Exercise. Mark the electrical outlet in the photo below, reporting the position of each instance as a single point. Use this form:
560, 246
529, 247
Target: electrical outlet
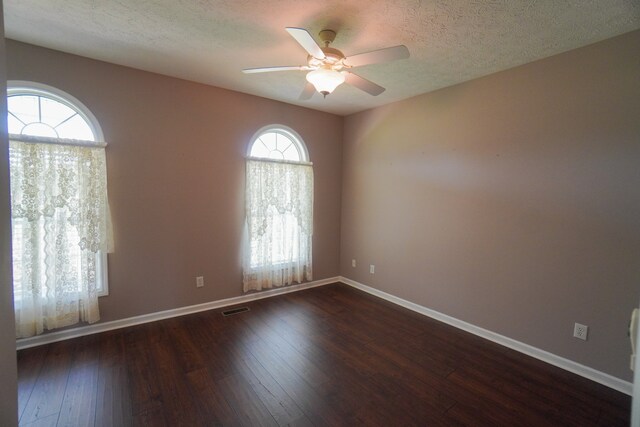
353, 263
199, 281
580, 331
372, 269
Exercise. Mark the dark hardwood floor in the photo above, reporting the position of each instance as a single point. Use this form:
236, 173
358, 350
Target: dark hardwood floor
324, 356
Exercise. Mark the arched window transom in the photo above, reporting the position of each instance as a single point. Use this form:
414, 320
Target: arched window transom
278, 143
38, 113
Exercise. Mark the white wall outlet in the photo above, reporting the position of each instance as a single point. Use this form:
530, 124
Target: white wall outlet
372, 269
353, 263
199, 281
580, 331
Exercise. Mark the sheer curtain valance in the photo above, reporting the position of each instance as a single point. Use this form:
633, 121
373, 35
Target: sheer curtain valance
61, 226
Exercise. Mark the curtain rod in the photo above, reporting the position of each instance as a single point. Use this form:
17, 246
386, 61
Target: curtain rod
286, 162
59, 141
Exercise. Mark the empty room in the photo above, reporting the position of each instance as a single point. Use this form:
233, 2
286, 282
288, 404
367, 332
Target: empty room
385, 213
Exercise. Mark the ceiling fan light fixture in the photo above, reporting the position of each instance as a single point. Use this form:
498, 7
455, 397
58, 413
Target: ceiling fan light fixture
325, 80
329, 68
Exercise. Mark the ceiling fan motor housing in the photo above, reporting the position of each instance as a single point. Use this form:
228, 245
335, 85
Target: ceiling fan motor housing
333, 58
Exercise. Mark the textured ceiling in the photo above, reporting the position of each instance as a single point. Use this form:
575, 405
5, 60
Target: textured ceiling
210, 41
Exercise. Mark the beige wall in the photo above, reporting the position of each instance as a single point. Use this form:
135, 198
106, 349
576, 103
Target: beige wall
511, 202
8, 382
176, 176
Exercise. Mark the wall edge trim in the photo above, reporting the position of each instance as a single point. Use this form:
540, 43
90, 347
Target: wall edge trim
545, 356
165, 314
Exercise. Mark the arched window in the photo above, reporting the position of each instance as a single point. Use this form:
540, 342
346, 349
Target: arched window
279, 210
59, 210
278, 143
41, 111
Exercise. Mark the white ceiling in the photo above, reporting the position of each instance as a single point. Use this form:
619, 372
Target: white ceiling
210, 41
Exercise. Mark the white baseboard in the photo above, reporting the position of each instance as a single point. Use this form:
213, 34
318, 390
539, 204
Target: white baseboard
166, 314
569, 365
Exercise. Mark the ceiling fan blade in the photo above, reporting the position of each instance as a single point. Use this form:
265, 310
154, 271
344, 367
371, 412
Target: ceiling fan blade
269, 69
303, 37
377, 56
307, 92
363, 84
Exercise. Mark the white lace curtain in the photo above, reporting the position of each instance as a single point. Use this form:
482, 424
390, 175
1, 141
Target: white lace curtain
279, 224
60, 225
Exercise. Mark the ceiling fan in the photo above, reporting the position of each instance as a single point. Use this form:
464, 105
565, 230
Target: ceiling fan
328, 67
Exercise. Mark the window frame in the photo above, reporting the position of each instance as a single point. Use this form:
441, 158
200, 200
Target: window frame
298, 142
23, 87
288, 133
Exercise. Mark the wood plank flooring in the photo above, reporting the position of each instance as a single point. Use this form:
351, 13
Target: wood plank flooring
327, 356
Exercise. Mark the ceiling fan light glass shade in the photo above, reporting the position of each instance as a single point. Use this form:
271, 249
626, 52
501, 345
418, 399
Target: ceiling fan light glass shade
325, 80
